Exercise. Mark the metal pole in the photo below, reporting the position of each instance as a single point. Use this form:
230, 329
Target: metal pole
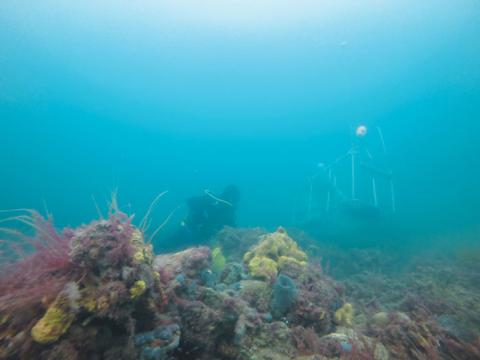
382, 141
310, 199
392, 193
374, 188
353, 174
327, 206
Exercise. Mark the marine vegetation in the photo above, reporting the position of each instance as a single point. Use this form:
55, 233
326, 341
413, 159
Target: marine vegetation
81, 293
218, 260
344, 315
275, 252
31, 277
99, 292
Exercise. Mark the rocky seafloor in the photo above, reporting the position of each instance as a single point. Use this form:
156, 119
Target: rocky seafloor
99, 292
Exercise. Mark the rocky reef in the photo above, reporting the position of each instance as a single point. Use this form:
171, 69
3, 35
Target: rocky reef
99, 292
83, 294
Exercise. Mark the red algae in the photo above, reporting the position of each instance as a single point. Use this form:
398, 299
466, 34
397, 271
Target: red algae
97, 278
39, 276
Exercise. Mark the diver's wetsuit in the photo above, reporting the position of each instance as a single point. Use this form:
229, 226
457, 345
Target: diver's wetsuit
206, 216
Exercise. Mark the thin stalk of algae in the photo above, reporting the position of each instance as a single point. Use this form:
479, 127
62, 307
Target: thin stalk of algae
46, 238
157, 230
144, 223
99, 212
29, 220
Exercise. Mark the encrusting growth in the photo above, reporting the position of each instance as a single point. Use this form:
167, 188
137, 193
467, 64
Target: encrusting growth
274, 252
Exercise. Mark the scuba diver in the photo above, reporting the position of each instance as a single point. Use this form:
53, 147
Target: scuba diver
207, 214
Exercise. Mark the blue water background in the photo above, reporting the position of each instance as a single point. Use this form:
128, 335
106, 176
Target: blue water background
186, 96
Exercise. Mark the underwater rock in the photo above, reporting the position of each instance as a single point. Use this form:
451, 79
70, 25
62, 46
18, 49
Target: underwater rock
232, 273
380, 352
208, 278
257, 294
336, 344
348, 343
381, 319
269, 341
318, 299
290, 266
63, 350
408, 339
111, 284
240, 329
274, 251
201, 327
189, 262
454, 328
121, 303
284, 294
158, 343
119, 266
235, 242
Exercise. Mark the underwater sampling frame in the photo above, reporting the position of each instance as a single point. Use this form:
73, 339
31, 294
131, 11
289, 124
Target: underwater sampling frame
351, 183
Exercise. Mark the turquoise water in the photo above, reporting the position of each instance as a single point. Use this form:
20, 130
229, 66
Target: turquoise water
187, 96
349, 128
